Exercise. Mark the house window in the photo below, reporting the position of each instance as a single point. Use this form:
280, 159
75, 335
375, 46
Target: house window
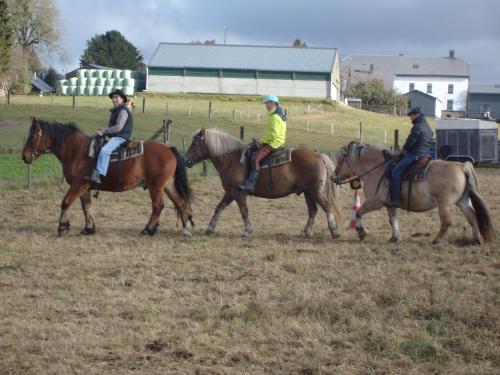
429, 88
449, 105
483, 108
450, 88
416, 66
412, 87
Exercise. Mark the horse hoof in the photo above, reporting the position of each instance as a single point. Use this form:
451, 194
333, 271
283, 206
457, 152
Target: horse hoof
209, 231
335, 235
149, 232
306, 234
88, 231
362, 235
476, 242
63, 228
245, 233
393, 240
435, 241
186, 233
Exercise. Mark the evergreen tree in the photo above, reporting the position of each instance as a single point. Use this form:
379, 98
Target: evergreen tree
113, 50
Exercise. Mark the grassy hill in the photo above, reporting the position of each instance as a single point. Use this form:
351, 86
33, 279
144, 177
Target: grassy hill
310, 122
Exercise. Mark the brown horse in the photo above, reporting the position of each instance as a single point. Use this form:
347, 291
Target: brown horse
446, 184
160, 168
307, 173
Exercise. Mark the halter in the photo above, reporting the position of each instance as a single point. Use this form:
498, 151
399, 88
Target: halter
36, 153
356, 177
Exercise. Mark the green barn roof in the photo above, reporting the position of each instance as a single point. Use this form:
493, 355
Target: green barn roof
243, 57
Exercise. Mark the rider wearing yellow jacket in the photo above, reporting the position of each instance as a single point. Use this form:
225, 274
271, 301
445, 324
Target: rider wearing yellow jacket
273, 138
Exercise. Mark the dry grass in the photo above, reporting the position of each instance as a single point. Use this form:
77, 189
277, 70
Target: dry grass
117, 303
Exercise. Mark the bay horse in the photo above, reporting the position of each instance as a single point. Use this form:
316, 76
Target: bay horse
446, 184
308, 173
160, 169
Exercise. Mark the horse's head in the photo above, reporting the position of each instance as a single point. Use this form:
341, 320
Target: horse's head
37, 143
197, 151
344, 169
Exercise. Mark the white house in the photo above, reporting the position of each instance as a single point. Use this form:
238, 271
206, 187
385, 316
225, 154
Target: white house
445, 78
246, 70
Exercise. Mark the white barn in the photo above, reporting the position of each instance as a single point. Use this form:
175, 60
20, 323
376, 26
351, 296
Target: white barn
246, 70
444, 78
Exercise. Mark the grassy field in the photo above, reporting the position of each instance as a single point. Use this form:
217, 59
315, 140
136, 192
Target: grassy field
117, 303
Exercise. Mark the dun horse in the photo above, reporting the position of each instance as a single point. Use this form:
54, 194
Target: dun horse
446, 184
160, 168
308, 173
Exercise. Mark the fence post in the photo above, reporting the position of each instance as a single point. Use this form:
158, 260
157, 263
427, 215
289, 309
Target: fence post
233, 113
332, 128
183, 145
396, 139
29, 176
204, 171
360, 131
385, 137
74, 100
167, 108
210, 109
307, 126
308, 109
143, 104
242, 133
8, 97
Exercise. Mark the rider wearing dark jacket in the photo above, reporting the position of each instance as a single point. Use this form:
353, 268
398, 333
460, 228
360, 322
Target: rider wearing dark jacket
416, 146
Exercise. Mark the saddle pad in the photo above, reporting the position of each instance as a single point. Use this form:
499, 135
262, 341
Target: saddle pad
278, 157
418, 170
126, 152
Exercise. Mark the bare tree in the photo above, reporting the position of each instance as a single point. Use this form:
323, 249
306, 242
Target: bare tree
35, 25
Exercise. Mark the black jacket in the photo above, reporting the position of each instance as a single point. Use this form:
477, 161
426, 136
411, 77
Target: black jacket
126, 131
420, 139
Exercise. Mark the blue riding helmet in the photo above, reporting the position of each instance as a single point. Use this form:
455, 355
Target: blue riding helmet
271, 98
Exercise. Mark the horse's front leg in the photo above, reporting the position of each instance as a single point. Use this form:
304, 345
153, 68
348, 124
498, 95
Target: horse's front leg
368, 206
74, 191
224, 202
89, 228
393, 220
241, 199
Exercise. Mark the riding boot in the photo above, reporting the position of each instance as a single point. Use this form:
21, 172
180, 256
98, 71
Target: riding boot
95, 176
251, 181
395, 193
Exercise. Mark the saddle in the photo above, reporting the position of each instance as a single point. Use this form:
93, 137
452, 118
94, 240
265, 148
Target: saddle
416, 172
280, 156
128, 150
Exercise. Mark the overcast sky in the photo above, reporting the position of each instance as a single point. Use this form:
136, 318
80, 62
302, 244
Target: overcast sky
411, 27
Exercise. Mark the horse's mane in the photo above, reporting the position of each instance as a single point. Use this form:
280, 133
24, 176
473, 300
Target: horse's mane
355, 150
219, 143
58, 132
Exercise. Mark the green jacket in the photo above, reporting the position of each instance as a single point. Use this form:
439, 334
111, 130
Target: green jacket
275, 133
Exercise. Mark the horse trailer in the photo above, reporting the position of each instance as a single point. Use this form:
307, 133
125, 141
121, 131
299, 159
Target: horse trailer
467, 140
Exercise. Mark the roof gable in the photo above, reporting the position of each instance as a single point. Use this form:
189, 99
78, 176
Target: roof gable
241, 57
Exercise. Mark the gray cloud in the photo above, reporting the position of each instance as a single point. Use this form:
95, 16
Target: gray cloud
423, 28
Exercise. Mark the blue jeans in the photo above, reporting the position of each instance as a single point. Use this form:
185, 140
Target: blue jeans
397, 173
105, 153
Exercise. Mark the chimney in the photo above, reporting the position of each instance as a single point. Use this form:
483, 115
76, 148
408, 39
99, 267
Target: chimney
451, 54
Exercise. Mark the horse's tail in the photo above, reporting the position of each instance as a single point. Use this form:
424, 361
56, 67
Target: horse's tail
480, 209
181, 178
331, 189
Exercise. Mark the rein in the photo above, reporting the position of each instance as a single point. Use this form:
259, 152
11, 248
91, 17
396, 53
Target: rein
357, 177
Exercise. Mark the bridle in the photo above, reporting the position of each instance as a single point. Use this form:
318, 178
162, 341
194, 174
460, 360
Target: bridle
35, 153
345, 159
